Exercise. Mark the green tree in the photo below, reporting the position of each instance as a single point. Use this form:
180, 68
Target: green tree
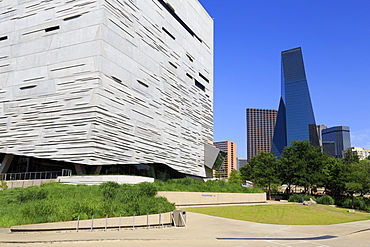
334, 175
365, 167
303, 164
355, 174
263, 171
235, 177
350, 157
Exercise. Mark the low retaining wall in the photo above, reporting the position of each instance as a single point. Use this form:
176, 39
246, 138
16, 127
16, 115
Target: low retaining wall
208, 198
96, 180
110, 223
27, 183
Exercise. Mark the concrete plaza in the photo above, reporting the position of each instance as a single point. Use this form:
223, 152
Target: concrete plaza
203, 230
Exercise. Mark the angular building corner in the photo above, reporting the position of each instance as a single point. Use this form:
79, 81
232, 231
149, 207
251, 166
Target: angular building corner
97, 83
295, 120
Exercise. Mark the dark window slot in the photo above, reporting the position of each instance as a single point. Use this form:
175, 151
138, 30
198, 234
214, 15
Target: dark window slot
169, 34
200, 85
27, 87
49, 29
116, 79
173, 65
190, 58
177, 18
3, 38
188, 75
203, 77
71, 18
142, 83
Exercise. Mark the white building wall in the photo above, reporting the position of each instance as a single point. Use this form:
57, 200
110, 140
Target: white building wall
99, 82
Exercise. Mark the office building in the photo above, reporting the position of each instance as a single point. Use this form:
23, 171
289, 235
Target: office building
361, 152
229, 163
336, 140
241, 162
106, 86
260, 130
295, 119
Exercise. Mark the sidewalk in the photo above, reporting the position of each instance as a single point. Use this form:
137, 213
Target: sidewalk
203, 230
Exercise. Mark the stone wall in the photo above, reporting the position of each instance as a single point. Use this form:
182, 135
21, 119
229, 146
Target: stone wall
208, 198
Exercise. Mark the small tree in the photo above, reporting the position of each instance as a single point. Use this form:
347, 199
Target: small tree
235, 177
263, 168
302, 164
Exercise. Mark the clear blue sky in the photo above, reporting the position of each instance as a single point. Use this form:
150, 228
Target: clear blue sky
249, 37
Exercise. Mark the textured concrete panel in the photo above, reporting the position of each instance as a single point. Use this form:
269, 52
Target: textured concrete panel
104, 82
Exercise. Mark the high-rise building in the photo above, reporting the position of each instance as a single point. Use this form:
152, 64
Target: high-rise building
336, 140
97, 85
229, 163
295, 119
361, 152
260, 130
241, 162
320, 128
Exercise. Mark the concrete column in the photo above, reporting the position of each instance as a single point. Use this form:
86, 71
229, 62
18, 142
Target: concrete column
80, 169
96, 169
6, 163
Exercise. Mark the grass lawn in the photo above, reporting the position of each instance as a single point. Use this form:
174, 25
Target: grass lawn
292, 214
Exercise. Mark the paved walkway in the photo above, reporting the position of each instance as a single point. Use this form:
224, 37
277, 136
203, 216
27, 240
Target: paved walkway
203, 230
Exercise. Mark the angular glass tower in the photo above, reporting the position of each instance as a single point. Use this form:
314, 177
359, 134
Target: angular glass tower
295, 120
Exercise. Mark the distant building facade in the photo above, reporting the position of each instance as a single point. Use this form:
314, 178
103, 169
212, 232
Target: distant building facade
319, 132
361, 152
260, 130
336, 140
295, 119
230, 159
241, 162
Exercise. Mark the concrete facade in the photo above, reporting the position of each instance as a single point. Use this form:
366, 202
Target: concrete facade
96, 82
361, 152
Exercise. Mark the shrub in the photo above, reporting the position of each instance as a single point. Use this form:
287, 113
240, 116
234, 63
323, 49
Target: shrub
360, 203
327, 200
31, 193
192, 185
298, 198
109, 190
146, 189
3, 185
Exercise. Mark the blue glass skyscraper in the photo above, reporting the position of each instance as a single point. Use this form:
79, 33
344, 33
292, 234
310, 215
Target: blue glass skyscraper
336, 140
295, 120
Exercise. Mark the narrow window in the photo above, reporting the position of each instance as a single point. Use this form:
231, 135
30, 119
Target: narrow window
71, 18
188, 75
116, 79
142, 83
200, 85
203, 77
173, 65
49, 29
190, 58
3, 38
169, 34
27, 87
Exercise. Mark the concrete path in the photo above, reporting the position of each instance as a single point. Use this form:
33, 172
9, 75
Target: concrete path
203, 230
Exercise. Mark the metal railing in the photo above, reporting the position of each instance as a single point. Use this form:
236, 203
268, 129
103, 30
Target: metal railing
34, 175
